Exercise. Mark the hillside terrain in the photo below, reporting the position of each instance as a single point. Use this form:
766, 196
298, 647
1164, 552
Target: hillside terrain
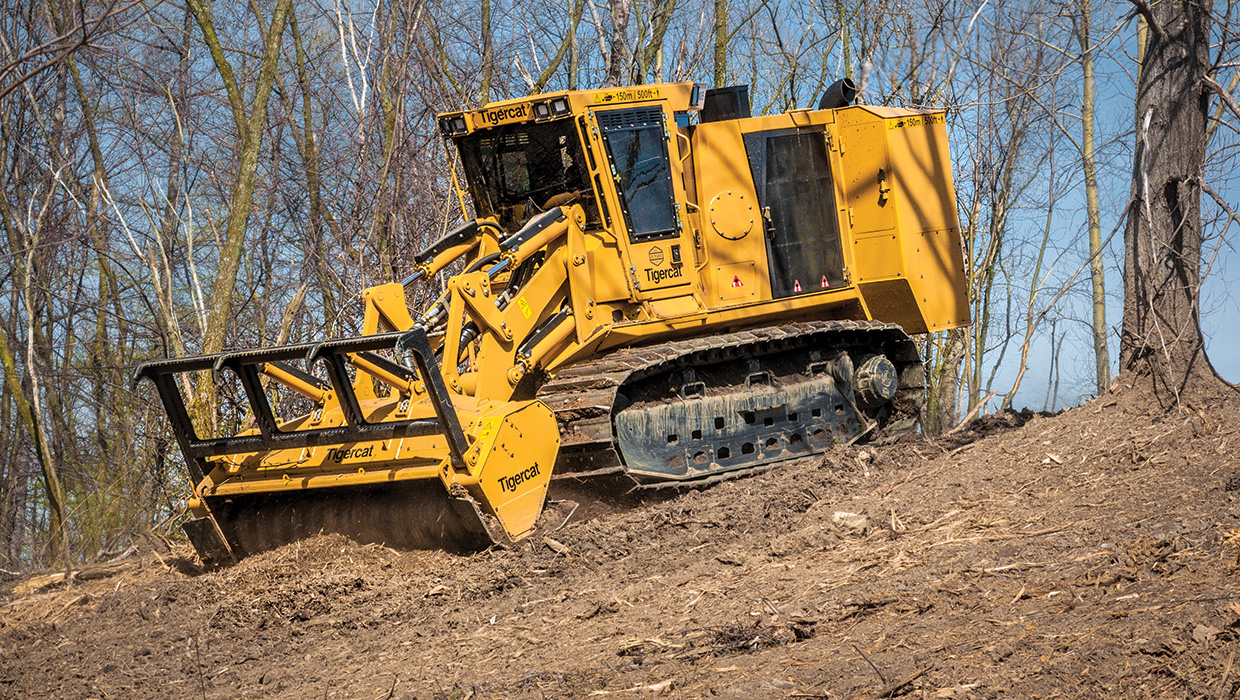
1088, 554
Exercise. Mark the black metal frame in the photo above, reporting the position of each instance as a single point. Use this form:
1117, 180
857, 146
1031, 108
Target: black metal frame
635, 119
248, 365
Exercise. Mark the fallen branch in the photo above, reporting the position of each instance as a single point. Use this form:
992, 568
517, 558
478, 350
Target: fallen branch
567, 517
895, 687
972, 412
997, 538
881, 677
79, 599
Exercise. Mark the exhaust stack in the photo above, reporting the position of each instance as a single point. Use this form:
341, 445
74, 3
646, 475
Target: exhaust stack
841, 94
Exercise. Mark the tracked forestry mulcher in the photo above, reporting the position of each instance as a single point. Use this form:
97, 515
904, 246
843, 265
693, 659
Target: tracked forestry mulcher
657, 286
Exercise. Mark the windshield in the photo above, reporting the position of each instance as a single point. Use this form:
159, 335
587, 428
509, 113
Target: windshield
516, 170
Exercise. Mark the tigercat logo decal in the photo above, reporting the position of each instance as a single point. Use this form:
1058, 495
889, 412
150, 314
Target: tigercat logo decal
510, 483
503, 114
658, 276
335, 455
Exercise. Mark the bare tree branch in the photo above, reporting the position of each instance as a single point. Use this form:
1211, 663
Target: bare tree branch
79, 36
1213, 86
1144, 10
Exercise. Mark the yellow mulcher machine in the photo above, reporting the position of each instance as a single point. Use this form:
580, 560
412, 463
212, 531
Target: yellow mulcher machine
657, 285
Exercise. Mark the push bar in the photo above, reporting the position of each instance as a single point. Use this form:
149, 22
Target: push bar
248, 365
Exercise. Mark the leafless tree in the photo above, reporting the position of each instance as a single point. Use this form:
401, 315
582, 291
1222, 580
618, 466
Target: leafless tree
1161, 337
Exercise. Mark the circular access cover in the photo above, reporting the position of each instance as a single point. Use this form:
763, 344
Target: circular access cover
732, 214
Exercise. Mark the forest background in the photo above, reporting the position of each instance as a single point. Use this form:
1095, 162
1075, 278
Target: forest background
180, 178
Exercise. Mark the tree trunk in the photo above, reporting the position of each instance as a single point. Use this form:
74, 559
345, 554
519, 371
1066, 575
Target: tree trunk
845, 40
320, 219
944, 370
1102, 355
58, 543
721, 43
619, 54
568, 46
660, 18
488, 52
1161, 336
573, 54
241, 200
250, 133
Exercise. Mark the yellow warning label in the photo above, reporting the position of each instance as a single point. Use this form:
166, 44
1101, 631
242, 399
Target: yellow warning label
919, 120
524, 306
631, 95
486, 438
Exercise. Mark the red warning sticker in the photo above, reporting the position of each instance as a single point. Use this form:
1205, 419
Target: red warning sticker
796, 285
736, 281
825, 283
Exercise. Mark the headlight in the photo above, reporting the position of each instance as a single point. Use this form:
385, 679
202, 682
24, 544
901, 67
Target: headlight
541, 111
559, 107
458, 125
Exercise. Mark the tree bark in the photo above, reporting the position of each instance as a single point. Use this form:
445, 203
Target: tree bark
573, 52
320, 222
250, 133
59, 540
943, 394
1161, 336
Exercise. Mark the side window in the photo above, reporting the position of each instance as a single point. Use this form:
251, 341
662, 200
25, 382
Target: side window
638, 153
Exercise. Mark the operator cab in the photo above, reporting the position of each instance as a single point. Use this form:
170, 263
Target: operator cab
618, 153
596, 147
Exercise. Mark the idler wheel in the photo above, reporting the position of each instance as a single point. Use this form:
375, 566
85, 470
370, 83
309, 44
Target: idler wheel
875, 382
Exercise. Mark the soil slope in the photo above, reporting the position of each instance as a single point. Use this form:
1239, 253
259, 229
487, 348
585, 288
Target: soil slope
1088, 554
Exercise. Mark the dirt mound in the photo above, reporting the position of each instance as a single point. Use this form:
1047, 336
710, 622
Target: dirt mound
1087, 554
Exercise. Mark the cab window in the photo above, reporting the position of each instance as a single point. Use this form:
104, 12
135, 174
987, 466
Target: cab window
637, 149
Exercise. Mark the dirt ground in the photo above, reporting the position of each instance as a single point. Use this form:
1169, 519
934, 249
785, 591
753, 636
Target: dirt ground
1088, 554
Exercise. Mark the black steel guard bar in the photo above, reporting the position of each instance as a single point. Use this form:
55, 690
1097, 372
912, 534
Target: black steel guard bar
248, 365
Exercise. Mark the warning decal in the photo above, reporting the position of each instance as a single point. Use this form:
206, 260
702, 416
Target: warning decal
920, 120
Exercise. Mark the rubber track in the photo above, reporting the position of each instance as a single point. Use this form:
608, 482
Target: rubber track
582, 396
